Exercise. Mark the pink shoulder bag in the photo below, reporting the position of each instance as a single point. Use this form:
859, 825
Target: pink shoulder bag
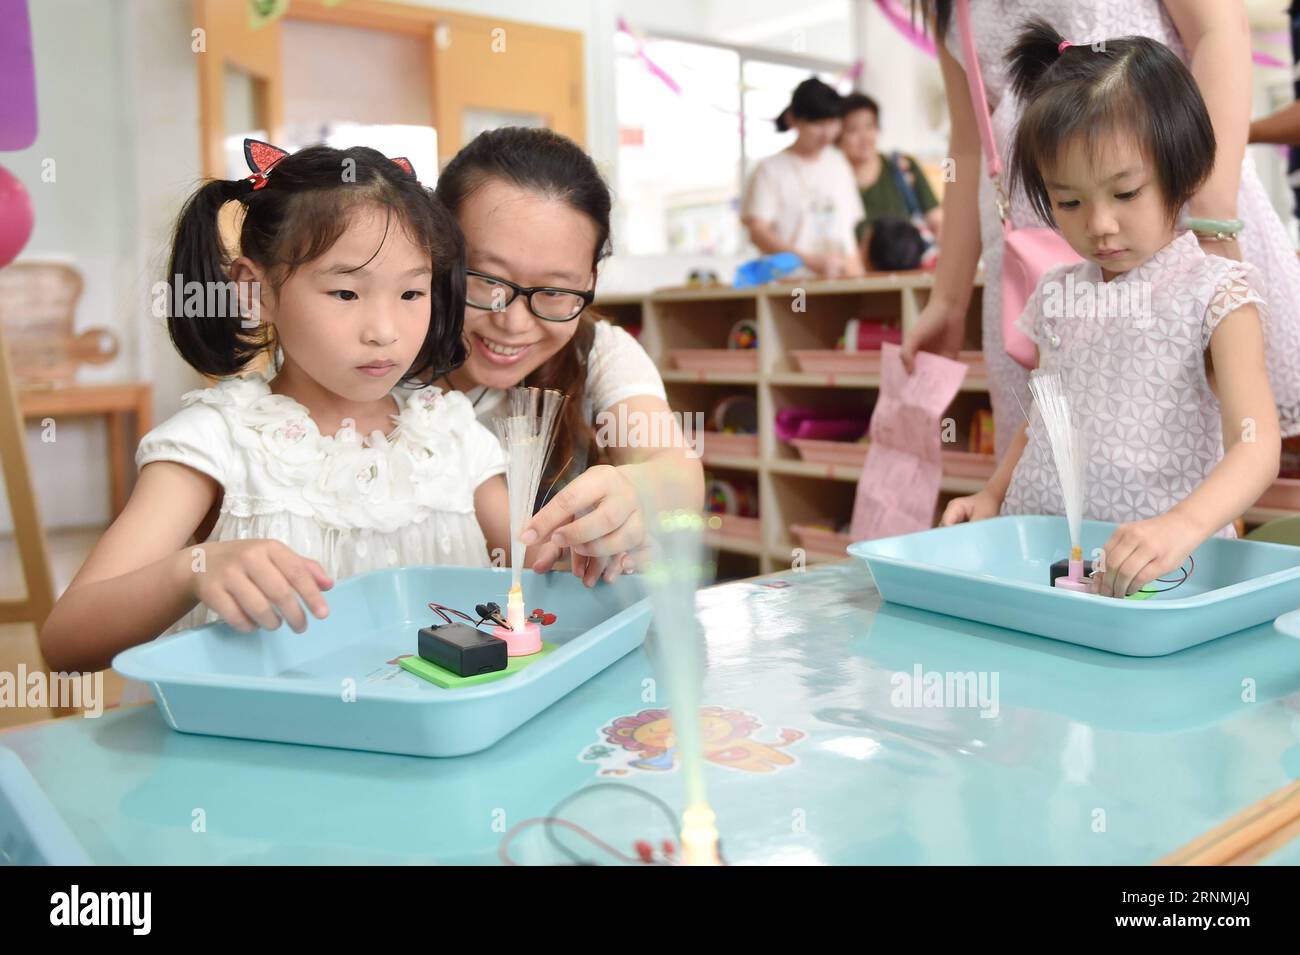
1027, 253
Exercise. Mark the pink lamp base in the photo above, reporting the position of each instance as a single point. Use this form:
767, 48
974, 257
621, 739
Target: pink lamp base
521, 644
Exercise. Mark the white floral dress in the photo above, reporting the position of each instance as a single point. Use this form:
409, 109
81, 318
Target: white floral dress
1132, 363
353, 503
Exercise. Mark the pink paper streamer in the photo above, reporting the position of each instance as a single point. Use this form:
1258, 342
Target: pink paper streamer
654, 68
899, 486
1267, 59
903, 24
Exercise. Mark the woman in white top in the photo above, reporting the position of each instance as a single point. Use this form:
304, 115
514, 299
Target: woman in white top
535, 214
805, 199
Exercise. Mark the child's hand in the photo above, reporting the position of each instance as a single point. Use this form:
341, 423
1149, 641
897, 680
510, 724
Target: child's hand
976, 507
256, 583
1138, 553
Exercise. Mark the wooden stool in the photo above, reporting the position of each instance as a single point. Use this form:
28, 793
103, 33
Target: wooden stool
30, 535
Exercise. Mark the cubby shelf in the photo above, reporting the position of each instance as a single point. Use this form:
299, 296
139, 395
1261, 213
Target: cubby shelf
788, 317
791, 317
677, 375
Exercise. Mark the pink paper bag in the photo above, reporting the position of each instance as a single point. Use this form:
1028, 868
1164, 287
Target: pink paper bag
900, 479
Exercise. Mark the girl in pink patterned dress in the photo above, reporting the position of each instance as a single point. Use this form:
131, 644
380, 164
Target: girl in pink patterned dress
1159, 346
1212, 37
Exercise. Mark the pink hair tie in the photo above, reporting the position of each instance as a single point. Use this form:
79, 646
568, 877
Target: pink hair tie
1062, 45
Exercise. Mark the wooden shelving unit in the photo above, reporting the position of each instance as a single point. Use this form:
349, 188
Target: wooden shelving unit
811, 315
790, 317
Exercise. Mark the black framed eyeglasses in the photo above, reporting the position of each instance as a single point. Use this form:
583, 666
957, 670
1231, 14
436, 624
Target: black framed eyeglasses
549, 304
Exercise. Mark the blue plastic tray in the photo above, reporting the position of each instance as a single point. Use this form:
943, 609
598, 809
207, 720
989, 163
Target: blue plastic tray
31, 831
332, 686
996, 572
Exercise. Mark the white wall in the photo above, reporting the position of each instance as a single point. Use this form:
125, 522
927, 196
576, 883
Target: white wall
117, 105
118, 101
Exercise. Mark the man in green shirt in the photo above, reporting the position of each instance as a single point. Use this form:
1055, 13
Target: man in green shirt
892, 185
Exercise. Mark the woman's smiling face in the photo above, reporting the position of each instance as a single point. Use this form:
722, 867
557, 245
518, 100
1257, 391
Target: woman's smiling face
531, 240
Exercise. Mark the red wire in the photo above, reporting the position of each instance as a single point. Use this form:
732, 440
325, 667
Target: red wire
503, 851
439, 608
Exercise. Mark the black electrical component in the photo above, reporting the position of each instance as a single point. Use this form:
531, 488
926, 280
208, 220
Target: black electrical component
462, 649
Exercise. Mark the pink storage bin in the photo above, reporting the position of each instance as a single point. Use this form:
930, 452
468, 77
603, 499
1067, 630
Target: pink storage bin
740, 528
819, 540
830, 362
969, 464
820, 424
850, 454
715, 359
1284, 495
729, 445
974, 359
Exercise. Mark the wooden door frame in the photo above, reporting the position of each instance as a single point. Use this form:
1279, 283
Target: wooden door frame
261, 58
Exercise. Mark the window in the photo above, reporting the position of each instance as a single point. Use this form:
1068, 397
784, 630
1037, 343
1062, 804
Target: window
693, 120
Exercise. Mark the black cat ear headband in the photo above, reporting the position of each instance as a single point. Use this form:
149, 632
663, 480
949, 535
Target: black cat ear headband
263, 157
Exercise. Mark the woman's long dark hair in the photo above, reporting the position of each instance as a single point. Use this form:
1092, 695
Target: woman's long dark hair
938, 12
553, 166
303, 208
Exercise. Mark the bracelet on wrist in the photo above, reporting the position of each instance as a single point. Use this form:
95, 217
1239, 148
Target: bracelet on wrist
1215, 230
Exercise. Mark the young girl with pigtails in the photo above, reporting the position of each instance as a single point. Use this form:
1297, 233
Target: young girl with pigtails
261, 492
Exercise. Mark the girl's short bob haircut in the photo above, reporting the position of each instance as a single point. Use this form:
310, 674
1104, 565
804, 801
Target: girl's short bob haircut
1132, 85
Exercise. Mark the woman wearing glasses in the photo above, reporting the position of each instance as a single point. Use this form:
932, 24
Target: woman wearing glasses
535, 213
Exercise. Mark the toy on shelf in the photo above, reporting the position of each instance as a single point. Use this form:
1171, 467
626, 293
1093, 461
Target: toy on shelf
768, 268
735, 414
743, 335
734, 505
725, 497
856, 352
527, 432
867, 334
981, 432
734, 430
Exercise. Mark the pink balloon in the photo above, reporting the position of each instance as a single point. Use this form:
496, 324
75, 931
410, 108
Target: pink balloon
15, 217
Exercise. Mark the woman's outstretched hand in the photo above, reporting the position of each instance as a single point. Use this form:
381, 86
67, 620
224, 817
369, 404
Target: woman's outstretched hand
933, 331
597, 518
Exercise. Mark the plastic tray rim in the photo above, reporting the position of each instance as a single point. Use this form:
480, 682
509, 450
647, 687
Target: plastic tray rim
863, 551
125, 662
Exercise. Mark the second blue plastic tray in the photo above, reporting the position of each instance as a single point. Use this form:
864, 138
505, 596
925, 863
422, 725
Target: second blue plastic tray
996, 571
332, 685
31, 830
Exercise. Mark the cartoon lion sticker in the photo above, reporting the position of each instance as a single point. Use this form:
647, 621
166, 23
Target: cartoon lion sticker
726, 738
